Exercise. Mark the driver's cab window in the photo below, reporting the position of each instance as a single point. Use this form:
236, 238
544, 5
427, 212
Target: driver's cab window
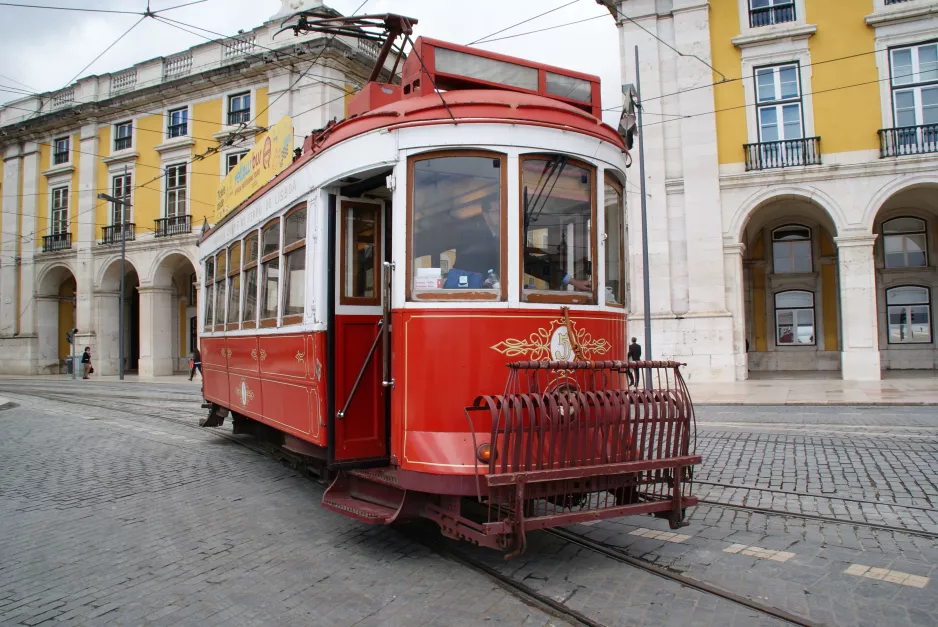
557, 236
456, 226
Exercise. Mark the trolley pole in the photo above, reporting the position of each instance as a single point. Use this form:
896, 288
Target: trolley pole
125, 205
645, 271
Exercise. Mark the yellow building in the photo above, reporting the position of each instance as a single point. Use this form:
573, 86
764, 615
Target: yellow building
791, 152
160, 134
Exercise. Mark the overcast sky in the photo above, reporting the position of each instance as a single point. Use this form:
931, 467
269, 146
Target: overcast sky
45, 49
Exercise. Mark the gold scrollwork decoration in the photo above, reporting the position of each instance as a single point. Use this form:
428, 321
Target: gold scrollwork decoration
254, 354
263, 354
537, 346
300, 357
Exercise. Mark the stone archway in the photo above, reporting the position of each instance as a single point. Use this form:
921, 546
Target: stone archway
108, 311
168, 310
906, 229
55, 310
791, 291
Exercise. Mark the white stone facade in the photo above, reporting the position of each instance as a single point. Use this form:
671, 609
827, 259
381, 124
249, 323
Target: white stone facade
709, 221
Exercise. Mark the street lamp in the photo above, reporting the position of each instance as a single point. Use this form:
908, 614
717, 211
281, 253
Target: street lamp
125, 202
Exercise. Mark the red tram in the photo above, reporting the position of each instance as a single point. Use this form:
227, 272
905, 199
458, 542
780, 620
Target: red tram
431, 302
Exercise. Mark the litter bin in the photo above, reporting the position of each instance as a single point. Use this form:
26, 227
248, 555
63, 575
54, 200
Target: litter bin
69, 365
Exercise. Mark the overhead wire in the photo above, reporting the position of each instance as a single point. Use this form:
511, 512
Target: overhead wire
530, 19
541, 30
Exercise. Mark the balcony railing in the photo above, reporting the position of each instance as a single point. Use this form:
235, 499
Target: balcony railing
177, 130
58, 241
909, 140
173, 225
122, 143
112, 234
59, 158
895, 1
237, 117
783, 154
767, 16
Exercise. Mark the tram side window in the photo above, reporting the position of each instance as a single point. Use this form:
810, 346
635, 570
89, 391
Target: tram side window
249, 310
220, 276
294, 258
234, 285
270, 273
457, 227
557, 201
615, 244
361, 256
209, 292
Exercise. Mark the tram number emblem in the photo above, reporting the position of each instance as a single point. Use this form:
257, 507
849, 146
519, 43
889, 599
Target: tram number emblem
245, 394
560, 349
554, 343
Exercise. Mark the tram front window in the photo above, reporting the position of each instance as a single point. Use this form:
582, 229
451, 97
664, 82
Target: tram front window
457, 232
557, 213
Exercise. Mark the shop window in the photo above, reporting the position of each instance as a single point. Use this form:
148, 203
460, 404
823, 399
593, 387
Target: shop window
456, 227
904, 243
249, 309
558, 241
234, 285
270, 273
908, 309
794, 318
361, 253
615, 244
791, 249
294, 261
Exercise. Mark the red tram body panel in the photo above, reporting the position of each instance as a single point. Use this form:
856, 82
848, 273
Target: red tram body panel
430, 304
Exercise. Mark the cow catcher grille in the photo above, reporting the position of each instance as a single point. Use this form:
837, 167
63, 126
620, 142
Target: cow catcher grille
575, 441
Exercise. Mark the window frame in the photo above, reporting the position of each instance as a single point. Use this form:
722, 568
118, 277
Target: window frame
176, 189
575, 298
779, 103
772, 4
458, 295
344, 298
884, 235
246, 267
812, 308
208, 325
265, 323
927, 304
609, 179
230, 111
127, 181
284, 251
130, 137
184, 124
56, 153
233, 273
223, 280
914, 86
810, 241
240, 154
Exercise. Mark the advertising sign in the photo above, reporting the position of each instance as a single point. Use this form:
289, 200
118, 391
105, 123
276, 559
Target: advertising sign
267, 159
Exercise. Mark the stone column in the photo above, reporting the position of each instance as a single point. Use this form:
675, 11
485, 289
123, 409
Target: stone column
860, 351
9, 225
29, 224
736, 305
47, 309
156, 333
87, 219
107, 311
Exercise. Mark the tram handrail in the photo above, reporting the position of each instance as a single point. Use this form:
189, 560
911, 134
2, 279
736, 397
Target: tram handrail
386, 380
341, 414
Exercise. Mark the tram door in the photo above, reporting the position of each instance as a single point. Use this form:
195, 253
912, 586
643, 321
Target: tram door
361, 423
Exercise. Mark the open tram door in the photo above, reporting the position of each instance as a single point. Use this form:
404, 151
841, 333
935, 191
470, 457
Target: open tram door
359, 334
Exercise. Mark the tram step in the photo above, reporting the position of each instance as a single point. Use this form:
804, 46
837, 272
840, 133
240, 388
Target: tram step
364, 499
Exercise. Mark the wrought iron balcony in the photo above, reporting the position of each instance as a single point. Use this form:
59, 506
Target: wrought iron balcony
767, 16
909, 140
112, 234
178, 130
783, 154
59, 158
57, 241
237, 117
173, 225
122, 143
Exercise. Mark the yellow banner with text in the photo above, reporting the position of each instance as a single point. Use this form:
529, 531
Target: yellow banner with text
267, 159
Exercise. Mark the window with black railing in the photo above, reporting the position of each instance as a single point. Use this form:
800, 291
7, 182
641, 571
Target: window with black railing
173, 225
112, 234
123, 136
56, 242
239, 108
914, 80
60, 152
178, 122
768, 12
780, 122
783, 154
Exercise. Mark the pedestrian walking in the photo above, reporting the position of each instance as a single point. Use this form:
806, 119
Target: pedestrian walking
86, 363
195, 361
635, 354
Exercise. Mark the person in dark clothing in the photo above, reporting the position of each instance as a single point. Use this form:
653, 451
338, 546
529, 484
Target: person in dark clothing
195, 361
86, 362
635, 354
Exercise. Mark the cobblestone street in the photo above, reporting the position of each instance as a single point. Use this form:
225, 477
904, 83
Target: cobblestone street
116, 510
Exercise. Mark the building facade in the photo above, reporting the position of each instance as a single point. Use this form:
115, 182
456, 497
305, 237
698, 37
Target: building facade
791, 154
160, 134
